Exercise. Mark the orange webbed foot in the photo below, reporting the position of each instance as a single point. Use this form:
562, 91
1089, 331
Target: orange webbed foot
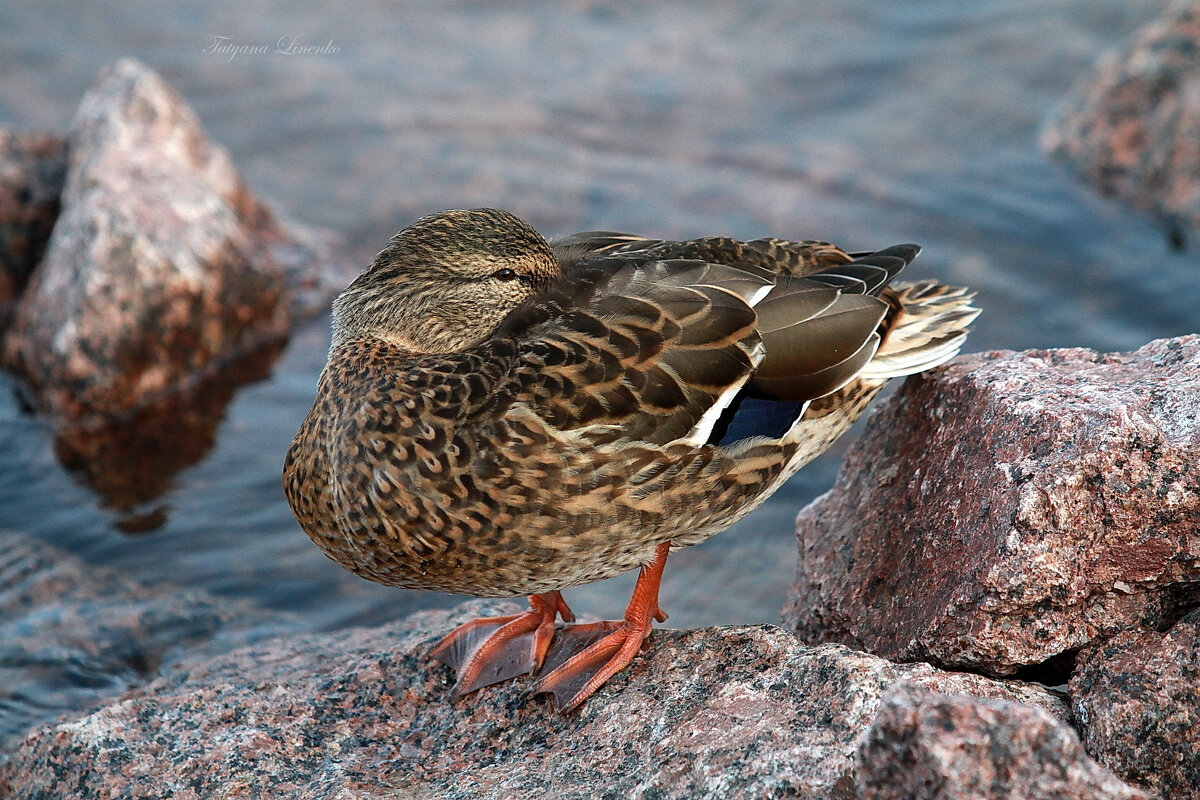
607, 647
494, 649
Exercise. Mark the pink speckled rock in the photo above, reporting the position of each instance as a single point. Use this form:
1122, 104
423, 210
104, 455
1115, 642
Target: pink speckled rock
927, 746
1133, 127
161, 266
32, 169
1009, 508
1137, 696
720, 712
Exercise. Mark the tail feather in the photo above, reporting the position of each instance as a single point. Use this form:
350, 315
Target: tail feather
928, 329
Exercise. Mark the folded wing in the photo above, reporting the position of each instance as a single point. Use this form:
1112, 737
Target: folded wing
664, 350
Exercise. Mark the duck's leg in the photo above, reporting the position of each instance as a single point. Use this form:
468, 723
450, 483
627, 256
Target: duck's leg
494, 649
576, 678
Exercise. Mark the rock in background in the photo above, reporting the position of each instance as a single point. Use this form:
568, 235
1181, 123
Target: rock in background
161, 266
719, 712
1133, 127
32, 170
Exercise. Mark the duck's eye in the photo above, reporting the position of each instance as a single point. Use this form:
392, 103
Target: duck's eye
504, 274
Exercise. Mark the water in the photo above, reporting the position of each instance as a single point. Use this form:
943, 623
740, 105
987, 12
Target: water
864, 123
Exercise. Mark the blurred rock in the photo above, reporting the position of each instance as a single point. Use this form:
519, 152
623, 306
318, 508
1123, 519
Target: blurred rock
32, 170
927, 746
1132, 127
728, 712
1009, 508
73, 636
161, 266
1137, 696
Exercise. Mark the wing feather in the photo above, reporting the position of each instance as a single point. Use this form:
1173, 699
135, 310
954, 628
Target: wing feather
636, 360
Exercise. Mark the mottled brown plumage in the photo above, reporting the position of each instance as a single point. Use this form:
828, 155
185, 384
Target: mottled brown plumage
500, 416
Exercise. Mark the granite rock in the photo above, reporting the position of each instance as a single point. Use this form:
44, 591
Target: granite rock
928, 746
1137, 697
161, 266
728, 712
32, 170
73, 636
1132, 127
1011, 508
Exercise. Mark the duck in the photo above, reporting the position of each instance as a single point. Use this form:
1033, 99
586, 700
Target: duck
503, 415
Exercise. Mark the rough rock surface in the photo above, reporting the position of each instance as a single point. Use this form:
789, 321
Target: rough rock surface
928, 746
1133, 127
728, 712
161, 265
72, 636
32, 170
1137, 696
1009, 508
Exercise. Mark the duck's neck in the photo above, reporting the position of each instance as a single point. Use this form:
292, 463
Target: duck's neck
343, 338
370, 350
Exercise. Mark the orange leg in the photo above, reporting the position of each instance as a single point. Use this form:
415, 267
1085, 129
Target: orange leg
494, 649
578, 677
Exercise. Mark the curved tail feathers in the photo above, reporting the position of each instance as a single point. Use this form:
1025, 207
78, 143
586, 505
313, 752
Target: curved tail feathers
928, 329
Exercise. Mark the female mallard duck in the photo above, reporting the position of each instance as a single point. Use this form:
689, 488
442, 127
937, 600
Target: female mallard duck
504, 416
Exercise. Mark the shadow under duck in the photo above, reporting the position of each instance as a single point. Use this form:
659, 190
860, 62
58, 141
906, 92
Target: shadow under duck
501, 415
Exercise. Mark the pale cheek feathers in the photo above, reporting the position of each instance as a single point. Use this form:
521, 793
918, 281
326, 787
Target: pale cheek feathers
459, 322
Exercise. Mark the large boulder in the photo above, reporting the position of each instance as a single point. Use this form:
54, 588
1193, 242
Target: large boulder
1131, 127
719, 712
1011, 508
1137, 697
161, 266
33, 167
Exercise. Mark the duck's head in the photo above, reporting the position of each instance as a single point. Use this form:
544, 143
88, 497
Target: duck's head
446, 281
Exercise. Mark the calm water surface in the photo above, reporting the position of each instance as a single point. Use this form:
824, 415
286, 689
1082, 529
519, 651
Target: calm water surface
864, 123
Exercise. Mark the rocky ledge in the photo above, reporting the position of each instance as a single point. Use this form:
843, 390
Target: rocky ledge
723, 712
74, 637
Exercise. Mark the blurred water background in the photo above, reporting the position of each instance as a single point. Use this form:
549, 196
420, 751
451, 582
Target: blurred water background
860, 122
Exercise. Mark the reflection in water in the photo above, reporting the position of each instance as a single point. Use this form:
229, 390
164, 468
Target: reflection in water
134, 462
